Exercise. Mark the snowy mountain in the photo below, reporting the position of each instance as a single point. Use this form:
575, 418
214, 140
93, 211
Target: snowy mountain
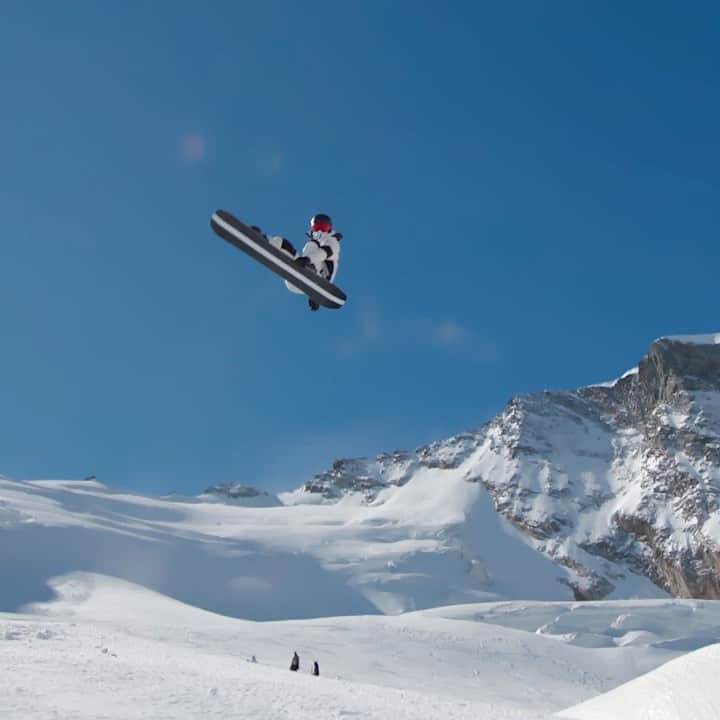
409, 551
613, 481
606, 491
490, 537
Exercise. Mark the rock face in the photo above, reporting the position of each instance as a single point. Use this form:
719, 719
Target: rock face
238, 494
363, 475
610, 480
371, 475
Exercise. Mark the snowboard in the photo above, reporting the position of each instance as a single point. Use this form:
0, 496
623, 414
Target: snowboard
252, 242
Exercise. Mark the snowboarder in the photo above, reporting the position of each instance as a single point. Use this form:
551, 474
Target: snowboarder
310, 273
321, 251
316, 669
295, 663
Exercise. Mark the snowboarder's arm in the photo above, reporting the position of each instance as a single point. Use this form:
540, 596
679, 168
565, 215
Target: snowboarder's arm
330, 243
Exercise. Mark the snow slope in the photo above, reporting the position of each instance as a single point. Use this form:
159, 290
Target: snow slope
437, 540
684, 688
107, 648
108, 596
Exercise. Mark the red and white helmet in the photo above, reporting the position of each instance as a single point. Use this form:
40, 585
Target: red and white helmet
320, 222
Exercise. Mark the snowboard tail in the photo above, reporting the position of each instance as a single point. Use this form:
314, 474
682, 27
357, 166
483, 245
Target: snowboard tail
252, 242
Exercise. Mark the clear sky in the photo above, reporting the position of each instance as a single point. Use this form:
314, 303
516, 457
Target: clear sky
529, 193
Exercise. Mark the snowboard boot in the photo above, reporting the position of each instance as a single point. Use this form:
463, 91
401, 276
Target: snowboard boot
288, 247
304, 262
313, 305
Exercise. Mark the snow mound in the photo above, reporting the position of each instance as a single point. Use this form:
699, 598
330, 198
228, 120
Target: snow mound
708, 339
683, 689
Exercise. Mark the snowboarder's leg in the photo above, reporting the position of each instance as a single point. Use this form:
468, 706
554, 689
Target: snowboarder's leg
313, 253
283, 244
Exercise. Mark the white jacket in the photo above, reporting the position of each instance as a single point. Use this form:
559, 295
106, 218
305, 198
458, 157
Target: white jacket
323, 250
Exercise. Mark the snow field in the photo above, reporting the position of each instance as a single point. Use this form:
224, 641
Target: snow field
60, 670
105, 648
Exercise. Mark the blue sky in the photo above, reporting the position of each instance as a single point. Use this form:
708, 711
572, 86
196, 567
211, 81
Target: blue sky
528, 192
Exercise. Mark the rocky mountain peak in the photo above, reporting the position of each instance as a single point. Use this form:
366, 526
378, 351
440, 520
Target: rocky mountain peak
672, 366
610, 481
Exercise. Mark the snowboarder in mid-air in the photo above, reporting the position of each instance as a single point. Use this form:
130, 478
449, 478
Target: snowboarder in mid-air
322, 250
320, 253
316, 669
311, 272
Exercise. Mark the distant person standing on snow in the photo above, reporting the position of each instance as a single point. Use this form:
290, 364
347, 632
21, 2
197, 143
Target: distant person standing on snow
295, 663
316, 668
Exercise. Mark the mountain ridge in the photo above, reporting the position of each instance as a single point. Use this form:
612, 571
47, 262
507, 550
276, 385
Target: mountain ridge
609, 491
612, 478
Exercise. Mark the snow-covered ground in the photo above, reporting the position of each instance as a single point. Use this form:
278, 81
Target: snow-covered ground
116, 605
684, 688
105, 648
